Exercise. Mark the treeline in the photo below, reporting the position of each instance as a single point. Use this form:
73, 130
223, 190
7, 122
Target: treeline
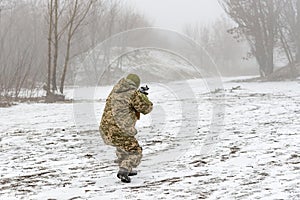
229, 55
271, 28
39, 38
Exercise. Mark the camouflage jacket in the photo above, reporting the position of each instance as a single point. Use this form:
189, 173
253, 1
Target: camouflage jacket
122, 106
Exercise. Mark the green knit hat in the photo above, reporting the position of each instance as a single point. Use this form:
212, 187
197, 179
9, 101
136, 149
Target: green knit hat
135, 78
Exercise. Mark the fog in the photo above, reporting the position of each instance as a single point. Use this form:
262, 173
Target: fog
219, 118
175, 14
51, 45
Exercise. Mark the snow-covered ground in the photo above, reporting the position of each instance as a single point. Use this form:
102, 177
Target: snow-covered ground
54, 151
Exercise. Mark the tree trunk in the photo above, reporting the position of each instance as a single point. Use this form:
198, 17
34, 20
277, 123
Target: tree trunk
286, 47
298, 32
270, 36
48, 88
62, 82
260, 56
63, 77
263, 37
55, 57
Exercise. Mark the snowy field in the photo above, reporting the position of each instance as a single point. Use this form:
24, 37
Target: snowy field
54, 151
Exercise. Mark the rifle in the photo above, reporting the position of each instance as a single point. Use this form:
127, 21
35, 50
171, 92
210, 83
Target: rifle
144, 90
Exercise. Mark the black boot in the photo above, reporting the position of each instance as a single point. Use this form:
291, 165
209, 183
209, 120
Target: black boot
123, 175
132, 173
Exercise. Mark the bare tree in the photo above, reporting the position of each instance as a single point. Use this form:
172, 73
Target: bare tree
289, 31
297, 31
227, 52
35, 53
56, 43
21, 54
50, 14
257, 22
106, 19
77, 15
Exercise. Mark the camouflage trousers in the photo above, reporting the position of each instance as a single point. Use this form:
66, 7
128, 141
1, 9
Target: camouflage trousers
128, 150
129, 160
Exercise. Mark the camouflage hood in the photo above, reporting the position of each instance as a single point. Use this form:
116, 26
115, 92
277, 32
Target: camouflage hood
124, 85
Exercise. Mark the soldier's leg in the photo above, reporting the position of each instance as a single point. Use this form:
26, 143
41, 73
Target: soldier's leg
133, 154
136, 157
121, 155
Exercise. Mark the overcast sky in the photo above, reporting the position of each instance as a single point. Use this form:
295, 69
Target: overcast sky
174, 14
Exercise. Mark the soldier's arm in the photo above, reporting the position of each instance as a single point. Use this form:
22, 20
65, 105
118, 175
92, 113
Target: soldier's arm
141, 103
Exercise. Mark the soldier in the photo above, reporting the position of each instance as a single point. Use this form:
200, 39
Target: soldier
117, 128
